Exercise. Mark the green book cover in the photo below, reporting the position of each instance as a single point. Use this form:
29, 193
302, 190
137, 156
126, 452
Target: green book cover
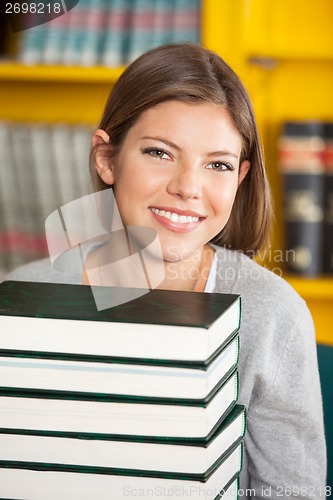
169, 325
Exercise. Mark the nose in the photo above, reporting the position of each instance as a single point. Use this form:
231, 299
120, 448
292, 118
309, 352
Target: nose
185, 182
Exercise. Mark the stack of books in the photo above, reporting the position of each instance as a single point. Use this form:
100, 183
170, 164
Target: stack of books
141, 397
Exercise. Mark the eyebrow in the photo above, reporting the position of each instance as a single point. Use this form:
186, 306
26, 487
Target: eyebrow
173, 145
168, 143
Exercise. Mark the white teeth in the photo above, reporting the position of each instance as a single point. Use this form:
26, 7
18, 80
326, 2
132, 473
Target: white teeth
181, 219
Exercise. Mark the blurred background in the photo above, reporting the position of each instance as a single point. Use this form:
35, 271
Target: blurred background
54, 80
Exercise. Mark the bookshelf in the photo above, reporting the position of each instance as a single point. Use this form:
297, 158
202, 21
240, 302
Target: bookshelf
282, 50
12, 71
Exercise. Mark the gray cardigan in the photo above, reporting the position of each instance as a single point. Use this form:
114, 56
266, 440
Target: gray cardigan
279, 382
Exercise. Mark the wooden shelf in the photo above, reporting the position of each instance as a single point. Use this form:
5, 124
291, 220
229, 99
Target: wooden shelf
42, 73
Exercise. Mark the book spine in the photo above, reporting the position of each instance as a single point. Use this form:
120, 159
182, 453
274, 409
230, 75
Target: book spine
26, 189
161, 29
55, 36
42, 168
81, 143
44, 171
328, 216
186, 21
62, 150
32, 42
77, 26
140, 29
94, 33
116, 35
10, 238
301, 149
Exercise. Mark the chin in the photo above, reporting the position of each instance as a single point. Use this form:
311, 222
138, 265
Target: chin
176, 253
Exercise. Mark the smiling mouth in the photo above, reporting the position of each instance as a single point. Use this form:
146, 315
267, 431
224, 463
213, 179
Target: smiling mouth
173, 217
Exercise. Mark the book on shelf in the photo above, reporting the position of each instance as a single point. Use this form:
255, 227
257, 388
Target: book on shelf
301, 153
32, 39
161, 23
140, 24
21, 483
151, 453
47, 188
95, 31
44, 166
185, 23
328, 200
116, 33
109, 32
10, 238
32, 237
62, 151
54, 40
80, 140
169, 325
76, 33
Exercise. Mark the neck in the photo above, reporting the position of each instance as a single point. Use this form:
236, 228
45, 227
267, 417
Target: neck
190, 274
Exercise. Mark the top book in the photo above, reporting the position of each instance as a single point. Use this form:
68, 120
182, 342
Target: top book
162, 326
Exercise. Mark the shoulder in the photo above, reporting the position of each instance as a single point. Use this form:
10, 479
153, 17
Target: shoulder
267, 299
42, 271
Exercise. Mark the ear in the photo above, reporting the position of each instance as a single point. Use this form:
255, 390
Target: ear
102, 163
243, 170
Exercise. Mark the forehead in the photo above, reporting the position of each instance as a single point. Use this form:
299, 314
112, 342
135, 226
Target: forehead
184, 121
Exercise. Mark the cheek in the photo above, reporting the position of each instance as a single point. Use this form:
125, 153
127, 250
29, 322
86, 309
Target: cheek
223, 198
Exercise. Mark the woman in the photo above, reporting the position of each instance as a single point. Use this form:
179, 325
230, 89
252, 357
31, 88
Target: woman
179, 146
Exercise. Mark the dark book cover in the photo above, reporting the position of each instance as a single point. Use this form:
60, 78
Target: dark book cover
328, 194
301, 150
199, 312
159, 307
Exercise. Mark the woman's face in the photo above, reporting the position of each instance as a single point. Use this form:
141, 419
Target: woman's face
178, 172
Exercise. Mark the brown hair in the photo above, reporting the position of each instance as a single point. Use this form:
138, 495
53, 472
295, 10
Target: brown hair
190, 73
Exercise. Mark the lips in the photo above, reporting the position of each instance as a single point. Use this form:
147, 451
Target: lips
179, 221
